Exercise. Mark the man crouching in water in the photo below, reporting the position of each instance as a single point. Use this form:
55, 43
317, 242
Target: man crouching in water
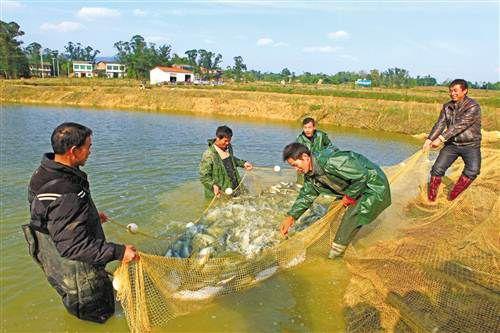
361, 183
65, 235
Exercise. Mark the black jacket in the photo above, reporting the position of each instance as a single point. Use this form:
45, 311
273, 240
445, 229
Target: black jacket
61, 205
459, 123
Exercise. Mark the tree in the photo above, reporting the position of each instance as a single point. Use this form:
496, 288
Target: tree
492, 86
238, 68
208, 59
163, 54
33, 51
13, 61
375, 77
425, 81
396, 77
207, 63
35, 54
140, 56
345, 77
191, 56
285, 72
177, 59
79, 52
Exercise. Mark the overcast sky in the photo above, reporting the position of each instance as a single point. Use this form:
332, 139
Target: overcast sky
446, 39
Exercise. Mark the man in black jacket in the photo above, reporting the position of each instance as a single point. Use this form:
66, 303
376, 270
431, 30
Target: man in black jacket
459, 128
65, 235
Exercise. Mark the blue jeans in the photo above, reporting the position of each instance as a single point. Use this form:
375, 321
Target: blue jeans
470, 155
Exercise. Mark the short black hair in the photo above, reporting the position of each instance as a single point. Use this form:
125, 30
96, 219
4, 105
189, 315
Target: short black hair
68, 135
223, 132
309, 120
461, 82
295, 150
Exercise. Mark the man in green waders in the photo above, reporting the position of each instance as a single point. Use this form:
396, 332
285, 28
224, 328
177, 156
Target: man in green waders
314, 139
65, 236
361, 183
218, 166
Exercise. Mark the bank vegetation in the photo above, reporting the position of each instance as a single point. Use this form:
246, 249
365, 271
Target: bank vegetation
409, 111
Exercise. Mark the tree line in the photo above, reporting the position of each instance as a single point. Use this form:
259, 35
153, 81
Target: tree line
140, 56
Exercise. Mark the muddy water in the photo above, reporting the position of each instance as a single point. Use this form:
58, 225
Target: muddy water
143, 169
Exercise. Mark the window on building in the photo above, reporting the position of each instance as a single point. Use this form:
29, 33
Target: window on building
89, 68
115, 68
108, 67
122, 68
76, 66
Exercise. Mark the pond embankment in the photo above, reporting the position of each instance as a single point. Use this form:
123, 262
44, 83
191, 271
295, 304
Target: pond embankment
380, 110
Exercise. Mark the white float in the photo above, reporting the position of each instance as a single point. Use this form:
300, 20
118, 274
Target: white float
116, 284
132, 228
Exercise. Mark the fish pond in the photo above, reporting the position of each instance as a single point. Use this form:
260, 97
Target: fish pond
143, 169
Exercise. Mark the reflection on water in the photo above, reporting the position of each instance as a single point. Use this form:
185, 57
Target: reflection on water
143, 169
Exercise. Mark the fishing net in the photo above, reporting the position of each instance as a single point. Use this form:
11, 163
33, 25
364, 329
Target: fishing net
419, 266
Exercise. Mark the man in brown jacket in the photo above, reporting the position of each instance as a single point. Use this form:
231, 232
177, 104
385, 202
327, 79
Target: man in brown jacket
459, 128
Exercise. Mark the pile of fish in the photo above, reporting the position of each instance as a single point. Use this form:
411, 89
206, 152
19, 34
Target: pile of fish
243, 225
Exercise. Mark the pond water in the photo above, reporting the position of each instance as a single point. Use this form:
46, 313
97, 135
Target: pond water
144, 169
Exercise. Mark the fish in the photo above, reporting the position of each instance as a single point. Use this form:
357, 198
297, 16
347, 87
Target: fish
200, 294
244, 225
203, 256
265, 274
296, 260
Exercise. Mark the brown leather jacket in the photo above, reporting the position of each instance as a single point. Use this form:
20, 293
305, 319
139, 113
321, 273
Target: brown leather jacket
459, 123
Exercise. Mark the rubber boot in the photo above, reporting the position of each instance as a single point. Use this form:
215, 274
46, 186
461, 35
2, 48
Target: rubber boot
433, 188
336, 250
462, 183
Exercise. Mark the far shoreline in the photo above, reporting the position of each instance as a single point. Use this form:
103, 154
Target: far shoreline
352, 113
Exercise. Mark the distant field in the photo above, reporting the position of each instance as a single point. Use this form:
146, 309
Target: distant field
409, 111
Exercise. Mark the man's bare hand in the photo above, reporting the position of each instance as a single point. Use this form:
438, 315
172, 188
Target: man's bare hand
427, 145
248, 166
285, 225
436, 143
216, 190
130, 254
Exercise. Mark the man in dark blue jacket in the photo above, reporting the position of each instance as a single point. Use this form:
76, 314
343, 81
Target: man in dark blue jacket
65, 235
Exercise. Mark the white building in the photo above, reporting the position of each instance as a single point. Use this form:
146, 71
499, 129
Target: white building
112, 69
83, 69
161, 74
41, 70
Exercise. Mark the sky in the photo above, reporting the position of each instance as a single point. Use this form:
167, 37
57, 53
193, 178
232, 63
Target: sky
445, 39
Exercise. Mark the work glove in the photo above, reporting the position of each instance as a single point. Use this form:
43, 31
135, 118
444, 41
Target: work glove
348, 201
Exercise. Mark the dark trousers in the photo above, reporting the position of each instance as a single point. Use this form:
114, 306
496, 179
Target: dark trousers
348, 228
470, 155
86, 291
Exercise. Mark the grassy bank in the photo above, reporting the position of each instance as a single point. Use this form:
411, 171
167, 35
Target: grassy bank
418, 94
408, 111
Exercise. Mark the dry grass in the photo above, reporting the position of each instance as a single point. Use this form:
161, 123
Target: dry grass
412, 114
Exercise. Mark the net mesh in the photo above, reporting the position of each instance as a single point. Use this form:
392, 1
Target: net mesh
419, 266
